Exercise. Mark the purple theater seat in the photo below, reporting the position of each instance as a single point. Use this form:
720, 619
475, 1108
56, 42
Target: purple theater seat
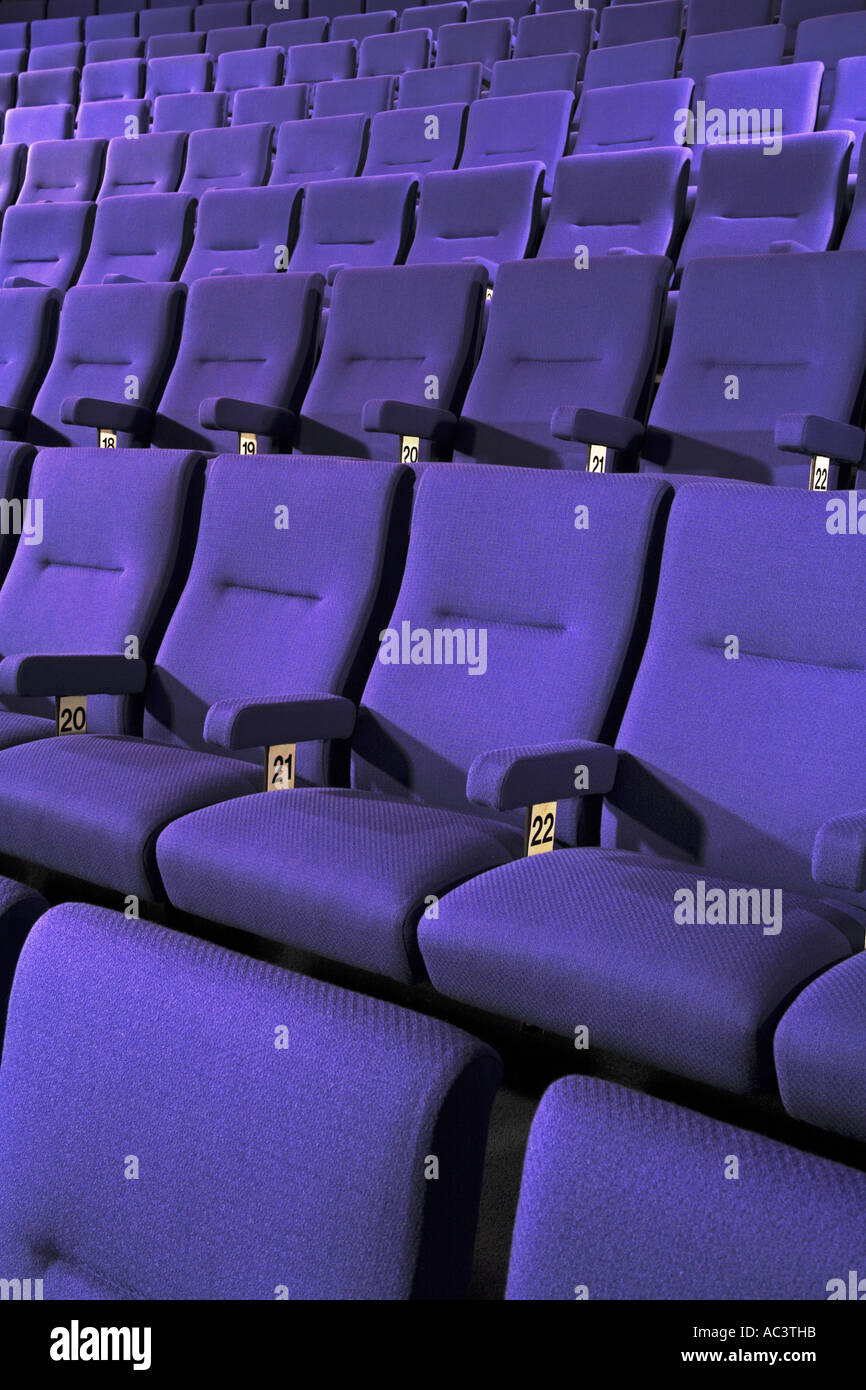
568, 31
827, 41
109, 561
361, 26
62, 172
652, 61
139, 238
328, 1143
685, 935
236, 157
289, 32
754, 323
793, 90
13, 36
113, 352
13, 162
243, 231
433, 17
563, 340
120, 25
113, 50
66, 9
25, 125
272, 104
387, 55
792, 13
110, 120
486, 41
552, 72
174, 45
58, 86
515, 10
246, 39
245, 622
399, 337
433, 87
19, 906
320, 62
153, 165
173, 76
355, 222
729, 52
330, 147
28, 331
112, 81
176, 19
716, 16
13, 61
190, 111
367, 95
246, 350
45, 33
401, 142
347, 873
640, 116
221, 14
635, 23
44, 244
245, 70
632, 200
263, 11
584, 1230
333, 8
848, 108
819, 1051
57, 55
750, 205
483, 215
512, 130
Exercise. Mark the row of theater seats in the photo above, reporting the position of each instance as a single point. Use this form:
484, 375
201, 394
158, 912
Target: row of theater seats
601, 205
706, 926
565, 377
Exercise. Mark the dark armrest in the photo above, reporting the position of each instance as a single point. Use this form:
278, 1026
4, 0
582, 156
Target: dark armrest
278, 719
246, 417
839, 852
817, 436
597, 427
404, 418
108, 673
507, 778
107, 415
13, 419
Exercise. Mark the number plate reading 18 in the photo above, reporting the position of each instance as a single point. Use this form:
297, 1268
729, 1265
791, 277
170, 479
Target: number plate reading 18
107, 439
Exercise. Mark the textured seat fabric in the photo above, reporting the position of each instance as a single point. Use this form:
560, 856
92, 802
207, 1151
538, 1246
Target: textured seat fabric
484, 41
559, 337
387, 55
626, 945
321, 62
248, 338
359, 27
274, 105
329, 147
735, 49
232, 1195
190, 111
173, 76
242, 230
640, 116
433, 17
490, 215
400, 143
788, 97
288, 33
48, 88
28, 124
715, 16
348, 873
593, 941
402, 333
512, 130
105, 567
802, 352
19, 908
568, 31
632, 200
44, 243
355, 222
352, 94
112, 81
28, 331
153, 165
237, 157
635, 23
749, 205
57, 55
244, 624
433, 87
551, 73
240, 71
584, 1228
234, 39
819, 1051
652, 61
115, 344
58, 172
139, 238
